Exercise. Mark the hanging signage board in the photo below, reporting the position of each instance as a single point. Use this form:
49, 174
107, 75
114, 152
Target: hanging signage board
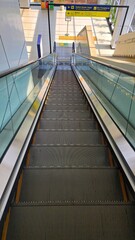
88, 11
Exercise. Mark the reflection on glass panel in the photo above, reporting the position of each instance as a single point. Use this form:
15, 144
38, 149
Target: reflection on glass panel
132, 111
132, 27
24, 83
5, 137
14, 98
3, 104
131, 125
121, 99
6, 114
115, 90
18, 91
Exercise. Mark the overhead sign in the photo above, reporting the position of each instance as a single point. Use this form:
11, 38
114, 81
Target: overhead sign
88, 11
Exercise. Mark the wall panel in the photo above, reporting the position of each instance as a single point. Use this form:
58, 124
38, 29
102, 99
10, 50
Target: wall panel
12, 42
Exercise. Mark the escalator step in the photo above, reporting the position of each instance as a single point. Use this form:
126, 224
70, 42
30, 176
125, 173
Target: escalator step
64, 84
66, 107
66, 114
72, 222
67, 137
65, 91
56, 124
64, 100
61, 79
71, 185
66, 95
69, 156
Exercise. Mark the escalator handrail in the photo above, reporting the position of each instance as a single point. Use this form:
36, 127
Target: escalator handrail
14, 69
108, 65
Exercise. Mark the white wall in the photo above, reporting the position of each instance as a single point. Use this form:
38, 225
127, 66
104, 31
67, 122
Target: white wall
12, 43
35, 21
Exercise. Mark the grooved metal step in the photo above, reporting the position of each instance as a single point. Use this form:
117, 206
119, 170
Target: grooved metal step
65, 100
63, 137
65, 83
56, 124
61, 75
59, 156
104, 222
64, 91
66, 95
66, 107
65, 86
66, 114
71, 184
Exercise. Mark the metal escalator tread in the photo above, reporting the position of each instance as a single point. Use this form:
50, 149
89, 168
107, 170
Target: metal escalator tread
104, 222
66, 95
64, 100
66, 85
73, 156
68, 137
66, 114
71, 185
56, 124
64, 90
73, 106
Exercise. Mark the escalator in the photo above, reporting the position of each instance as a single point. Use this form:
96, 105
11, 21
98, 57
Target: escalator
71, 186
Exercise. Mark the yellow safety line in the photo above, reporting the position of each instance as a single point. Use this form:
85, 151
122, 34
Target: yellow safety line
72, 38
5, 228
19, 188
110, 158
33, 139
124, 192
97, 125
28, 159
38, 125
102, 139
